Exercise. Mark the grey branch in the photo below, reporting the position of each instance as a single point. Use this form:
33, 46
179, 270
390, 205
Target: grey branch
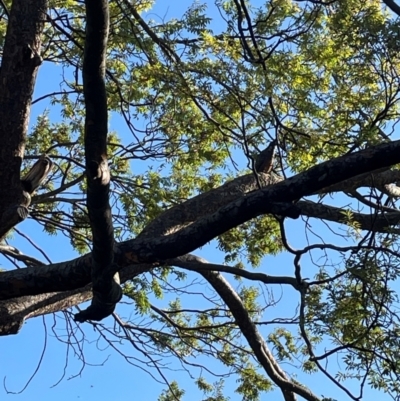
18, 255
257, 343
190, 262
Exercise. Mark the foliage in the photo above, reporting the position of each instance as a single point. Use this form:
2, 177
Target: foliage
194, 100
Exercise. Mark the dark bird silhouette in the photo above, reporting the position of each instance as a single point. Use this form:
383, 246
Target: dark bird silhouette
265, 159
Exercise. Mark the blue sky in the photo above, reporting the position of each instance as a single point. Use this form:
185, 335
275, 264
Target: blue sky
106, 375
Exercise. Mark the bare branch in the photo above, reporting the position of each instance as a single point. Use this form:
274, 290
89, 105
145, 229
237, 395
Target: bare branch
255, 340
106, 289
197, 264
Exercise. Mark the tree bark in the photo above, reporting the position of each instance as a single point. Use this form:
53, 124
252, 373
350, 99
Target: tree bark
20, 61
106, 289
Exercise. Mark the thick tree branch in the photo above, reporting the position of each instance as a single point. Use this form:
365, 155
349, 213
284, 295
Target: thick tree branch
13, 312
153, 250
179, 216
374, 179
375, 222
106, 289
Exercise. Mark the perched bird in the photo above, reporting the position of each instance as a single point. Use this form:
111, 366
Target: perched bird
36, 174
265, 159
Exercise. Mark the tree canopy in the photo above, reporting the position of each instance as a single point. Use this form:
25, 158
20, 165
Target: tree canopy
264, 128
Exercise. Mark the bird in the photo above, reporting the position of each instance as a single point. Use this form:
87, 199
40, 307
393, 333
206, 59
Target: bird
265, 159
37, 174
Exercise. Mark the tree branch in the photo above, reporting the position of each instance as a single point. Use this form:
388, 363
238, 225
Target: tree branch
255, 340
189, 262
373, 179
375, 222
393, 6
13, 312
106, 289
153, 250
